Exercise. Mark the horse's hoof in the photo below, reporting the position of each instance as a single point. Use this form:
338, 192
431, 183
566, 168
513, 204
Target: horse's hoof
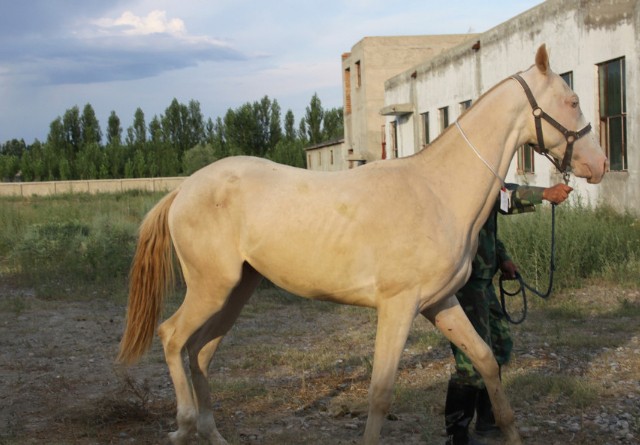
178, 438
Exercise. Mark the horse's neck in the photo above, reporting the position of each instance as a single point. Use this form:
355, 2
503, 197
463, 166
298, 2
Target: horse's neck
493, 127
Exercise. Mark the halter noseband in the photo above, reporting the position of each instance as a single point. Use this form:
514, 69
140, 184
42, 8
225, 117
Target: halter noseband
570, 136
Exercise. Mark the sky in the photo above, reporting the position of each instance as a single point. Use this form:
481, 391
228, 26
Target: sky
120, 55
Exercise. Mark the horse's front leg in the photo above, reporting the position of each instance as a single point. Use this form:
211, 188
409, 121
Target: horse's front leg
394, 322
451, 320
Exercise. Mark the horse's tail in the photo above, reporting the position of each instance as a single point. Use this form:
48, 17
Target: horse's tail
152, 275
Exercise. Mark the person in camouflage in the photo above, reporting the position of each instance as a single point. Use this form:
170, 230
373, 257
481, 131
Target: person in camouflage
466, 393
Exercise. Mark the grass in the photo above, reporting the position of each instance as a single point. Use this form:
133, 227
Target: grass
71, 246
575, 392
591, 244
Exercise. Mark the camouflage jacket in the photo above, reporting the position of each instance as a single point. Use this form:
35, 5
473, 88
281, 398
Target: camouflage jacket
491, 251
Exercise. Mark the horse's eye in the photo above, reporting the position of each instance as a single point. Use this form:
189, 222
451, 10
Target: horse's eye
574, 104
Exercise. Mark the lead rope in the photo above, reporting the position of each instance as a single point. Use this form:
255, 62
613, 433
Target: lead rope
523, 286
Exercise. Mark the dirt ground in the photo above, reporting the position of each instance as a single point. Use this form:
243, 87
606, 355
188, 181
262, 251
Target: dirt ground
59, 384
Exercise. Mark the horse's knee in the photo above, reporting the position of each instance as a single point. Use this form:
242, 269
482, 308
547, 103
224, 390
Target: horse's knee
165, 331
486, 364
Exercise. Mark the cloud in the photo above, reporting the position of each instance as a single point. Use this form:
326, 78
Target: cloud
155, 22
105, 49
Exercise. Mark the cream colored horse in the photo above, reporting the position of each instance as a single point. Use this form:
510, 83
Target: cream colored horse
396, 235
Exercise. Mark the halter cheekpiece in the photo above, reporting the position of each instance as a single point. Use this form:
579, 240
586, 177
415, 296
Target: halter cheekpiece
570, 136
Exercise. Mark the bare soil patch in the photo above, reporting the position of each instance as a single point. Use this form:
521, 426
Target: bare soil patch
296, 372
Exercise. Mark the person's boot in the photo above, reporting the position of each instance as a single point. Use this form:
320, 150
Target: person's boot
485, 422
459, 409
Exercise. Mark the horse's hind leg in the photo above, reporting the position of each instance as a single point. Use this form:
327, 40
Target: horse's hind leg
204, 298
199, 363
174, 334
203, 345
451, 320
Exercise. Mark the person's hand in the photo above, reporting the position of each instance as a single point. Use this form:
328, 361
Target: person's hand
508, 269
557, 193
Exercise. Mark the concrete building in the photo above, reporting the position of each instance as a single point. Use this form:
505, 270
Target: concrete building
370, 63
327, 156
593, 44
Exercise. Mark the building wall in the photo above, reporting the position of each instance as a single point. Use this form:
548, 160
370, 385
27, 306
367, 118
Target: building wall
372, 61
579, 34
327, 157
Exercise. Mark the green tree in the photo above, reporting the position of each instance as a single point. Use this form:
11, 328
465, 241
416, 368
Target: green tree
9, 167
253, 129
114, 129
197, 157
56, 152
289, 152
115, 153
90, 127
138, 167
72, 127
138, 129
313, 120
14, 147
89, 161
333, 124
154, 146
33, 163
289, 126
175, 127
195, 124
217, 138
267, 113
64, 169
241, 130
136, 146
163, 159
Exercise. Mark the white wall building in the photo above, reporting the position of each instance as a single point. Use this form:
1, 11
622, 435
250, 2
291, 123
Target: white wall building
594, 44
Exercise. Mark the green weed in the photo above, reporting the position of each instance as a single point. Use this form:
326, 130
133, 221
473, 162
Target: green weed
533, 387
599, 244
73, 246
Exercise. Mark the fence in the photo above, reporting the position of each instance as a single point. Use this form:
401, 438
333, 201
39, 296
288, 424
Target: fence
47, 188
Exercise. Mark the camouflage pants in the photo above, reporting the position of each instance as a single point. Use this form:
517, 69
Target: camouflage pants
480, 303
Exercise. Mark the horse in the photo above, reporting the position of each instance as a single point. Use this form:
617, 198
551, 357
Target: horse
396, 235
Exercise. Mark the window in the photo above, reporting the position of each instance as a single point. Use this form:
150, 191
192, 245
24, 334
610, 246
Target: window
347, 91
568, 78
358, 75
319, 158
394, 138
465, 105
525, 159
613, 112
383, 139
425, 128
444, 118
331, 157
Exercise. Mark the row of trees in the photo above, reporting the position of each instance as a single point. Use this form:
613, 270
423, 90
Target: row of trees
177, 142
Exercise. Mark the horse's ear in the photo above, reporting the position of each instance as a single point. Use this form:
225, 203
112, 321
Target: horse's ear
542, 59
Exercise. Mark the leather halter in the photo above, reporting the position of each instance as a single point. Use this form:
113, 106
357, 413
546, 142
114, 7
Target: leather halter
570, 136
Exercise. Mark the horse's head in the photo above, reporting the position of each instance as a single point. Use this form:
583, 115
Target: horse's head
557, 126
